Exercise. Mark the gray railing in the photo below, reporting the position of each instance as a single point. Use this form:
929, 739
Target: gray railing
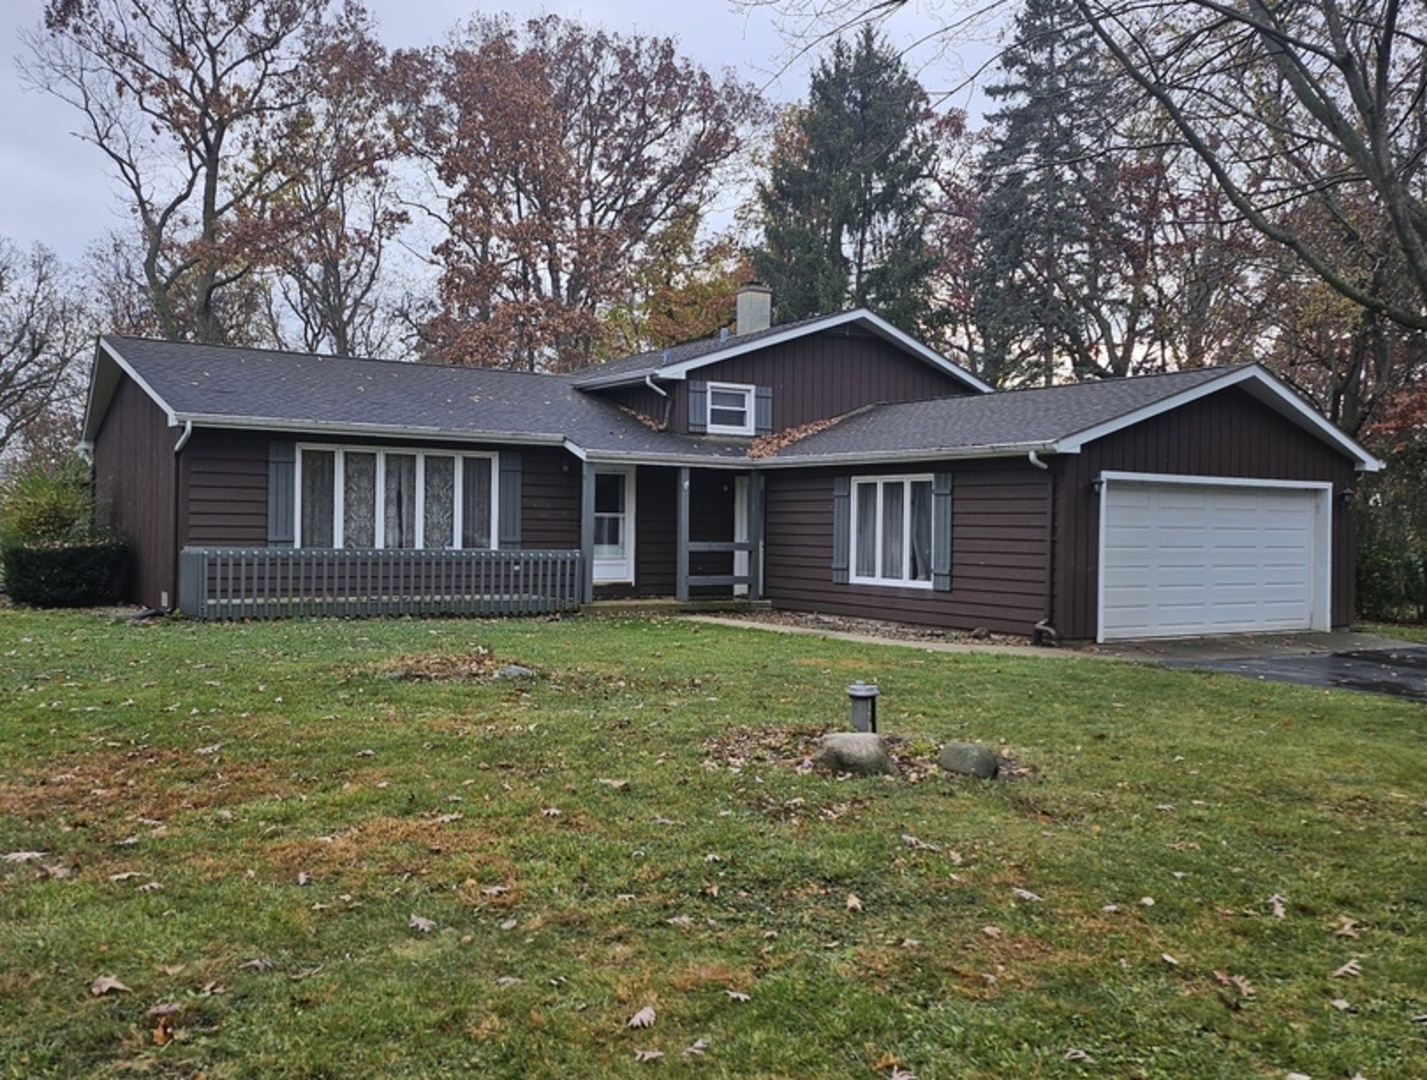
266, 583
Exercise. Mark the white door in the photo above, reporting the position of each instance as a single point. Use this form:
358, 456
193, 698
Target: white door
740, 531
614, 526
1189, 557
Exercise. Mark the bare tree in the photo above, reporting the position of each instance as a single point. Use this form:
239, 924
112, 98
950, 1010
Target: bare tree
42, 336
193, 102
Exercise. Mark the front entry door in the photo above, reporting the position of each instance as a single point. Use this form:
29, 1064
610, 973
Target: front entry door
614, 526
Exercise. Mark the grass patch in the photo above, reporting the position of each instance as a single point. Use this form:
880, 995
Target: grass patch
343, 848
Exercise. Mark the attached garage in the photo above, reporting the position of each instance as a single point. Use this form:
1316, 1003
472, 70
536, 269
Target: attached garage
1190, 556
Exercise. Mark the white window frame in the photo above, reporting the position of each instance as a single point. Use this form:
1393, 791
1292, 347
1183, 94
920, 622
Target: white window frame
750, 401
339, 477
882, 482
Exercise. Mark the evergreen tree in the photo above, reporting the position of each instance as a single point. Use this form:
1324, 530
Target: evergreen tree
844, 207
1045, 220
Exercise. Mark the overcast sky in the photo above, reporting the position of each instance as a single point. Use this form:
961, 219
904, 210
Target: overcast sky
53, 187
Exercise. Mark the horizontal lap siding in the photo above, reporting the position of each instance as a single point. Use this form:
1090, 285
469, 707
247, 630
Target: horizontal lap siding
225, 487
134, 482
999, 551
825, 375
550, 499
1228, 434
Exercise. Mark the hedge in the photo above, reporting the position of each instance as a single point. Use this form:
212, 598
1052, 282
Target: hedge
73, 575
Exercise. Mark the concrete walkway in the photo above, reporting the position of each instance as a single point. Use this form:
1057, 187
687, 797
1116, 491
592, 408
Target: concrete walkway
1344, 660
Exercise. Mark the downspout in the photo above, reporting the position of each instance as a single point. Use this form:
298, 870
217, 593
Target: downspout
1044, 632
668, 401
177, 489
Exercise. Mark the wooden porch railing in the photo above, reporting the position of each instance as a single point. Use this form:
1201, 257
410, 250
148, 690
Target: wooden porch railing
266, 583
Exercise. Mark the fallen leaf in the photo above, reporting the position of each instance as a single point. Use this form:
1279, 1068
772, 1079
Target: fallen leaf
1347, 927
494, 890
1026, 894
648, 1055
509, 924
736, 995
125, 876
713, 857
256, 964
509, 980
696, 1048
25, 856
1341, 1004
642, 1019
1171, 961
918, 845
1110, 909
1351, 970
1235, 982
150, 886
618, 785
302, 878
60, 873
173, 970
167, 1008
1278, 901
1078, 1055
991, 931
551, 811
107, 984
899, 1073
853, 903
416, 922
1147, 901
683, 922
209, 751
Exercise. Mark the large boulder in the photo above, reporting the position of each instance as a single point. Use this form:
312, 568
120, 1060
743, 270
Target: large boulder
856, 752
969, 759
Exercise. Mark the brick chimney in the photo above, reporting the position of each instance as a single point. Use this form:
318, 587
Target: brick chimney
755, 308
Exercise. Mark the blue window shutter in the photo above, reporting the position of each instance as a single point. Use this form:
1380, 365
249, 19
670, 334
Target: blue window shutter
841, 528
941, 532
763, 412
698, 407
508, 527
282, 492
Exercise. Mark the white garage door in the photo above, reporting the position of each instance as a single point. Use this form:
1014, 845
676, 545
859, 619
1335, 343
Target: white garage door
1181, 558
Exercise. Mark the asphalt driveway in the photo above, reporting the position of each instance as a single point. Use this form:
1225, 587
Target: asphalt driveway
1346, 661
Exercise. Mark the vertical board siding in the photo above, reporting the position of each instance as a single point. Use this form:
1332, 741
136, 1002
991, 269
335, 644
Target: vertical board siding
999, 550
134, 474
824, 375
1228, 434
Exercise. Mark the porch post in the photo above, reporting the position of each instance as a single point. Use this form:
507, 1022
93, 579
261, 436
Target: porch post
681, 571
587, 533
755, 536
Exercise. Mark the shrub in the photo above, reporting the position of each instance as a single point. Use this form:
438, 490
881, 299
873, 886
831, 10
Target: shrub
51, 552
47, 505
73, 575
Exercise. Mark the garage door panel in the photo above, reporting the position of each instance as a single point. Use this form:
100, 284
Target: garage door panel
1184, 559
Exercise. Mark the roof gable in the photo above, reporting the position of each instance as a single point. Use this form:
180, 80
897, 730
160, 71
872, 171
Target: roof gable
1055, 420
678, 362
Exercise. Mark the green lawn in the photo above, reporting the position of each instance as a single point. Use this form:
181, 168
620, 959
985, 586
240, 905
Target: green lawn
341, 849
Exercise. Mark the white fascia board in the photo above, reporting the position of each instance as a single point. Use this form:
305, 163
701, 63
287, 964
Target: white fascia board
879, 326
1111, 476
400, 431
106, 348
1261, 385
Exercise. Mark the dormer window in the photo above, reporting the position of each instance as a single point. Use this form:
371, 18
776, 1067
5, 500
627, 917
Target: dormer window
730, 409
717, 408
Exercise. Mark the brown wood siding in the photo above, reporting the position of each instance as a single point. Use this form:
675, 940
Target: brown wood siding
642, 400
1225, 434
550, 487
224, 489
134, 480
999, 541
824, 375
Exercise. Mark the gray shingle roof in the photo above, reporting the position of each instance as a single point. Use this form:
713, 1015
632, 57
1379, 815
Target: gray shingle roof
268, 389
982, 422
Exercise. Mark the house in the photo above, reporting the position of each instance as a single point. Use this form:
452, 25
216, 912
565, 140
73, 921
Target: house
832, 465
